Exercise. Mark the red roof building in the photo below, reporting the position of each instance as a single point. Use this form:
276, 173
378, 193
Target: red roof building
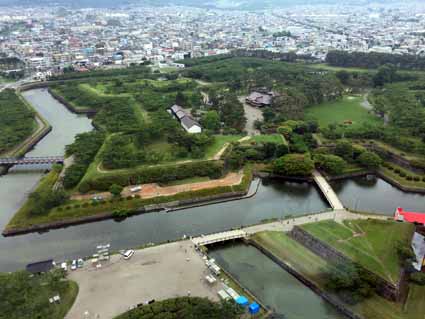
411, 217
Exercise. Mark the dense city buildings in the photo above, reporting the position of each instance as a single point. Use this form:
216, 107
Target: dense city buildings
56, 38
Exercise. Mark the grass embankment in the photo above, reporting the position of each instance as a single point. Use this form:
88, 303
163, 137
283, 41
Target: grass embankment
403, 176
338, 112
18, 124
23, 215
371, 243
312, 267
83, 209
96, 170
27, 297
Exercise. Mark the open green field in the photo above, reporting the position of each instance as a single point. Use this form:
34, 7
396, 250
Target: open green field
347, 109
371, 243
312, 266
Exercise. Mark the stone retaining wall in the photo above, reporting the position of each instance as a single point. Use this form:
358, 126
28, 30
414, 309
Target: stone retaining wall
341, 307
384, 288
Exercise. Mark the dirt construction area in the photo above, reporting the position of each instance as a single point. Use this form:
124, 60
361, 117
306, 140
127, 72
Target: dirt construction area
154, 190
158, 273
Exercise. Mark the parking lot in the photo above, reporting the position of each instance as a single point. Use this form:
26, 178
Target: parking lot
158, 273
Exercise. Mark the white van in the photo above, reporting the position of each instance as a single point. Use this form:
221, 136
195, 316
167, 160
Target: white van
136, 189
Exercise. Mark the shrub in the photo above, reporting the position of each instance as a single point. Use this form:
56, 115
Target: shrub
416, 178
86, 204
397, 170
423, 179
369, 160
402, 174
409, 178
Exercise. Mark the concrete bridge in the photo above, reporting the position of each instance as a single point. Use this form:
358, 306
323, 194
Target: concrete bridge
285, 225
327, 191
31, 160
219, 237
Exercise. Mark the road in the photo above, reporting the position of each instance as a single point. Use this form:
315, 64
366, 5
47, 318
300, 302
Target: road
252, 114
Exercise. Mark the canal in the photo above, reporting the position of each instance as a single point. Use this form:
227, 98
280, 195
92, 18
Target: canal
271, 284
376, 195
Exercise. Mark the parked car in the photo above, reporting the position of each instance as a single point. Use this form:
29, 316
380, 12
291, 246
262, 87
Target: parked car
74, 265
128, 254
64, 266
80, 263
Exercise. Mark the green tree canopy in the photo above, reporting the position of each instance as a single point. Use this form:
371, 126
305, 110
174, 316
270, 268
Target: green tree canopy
369, 160
294, 165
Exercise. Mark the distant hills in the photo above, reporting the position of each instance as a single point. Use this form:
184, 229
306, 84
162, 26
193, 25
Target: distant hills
225, 4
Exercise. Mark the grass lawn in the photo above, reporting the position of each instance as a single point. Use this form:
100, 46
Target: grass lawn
371, 243
192, 180
218, 144
347, 109
311, 266
324, 66
269, 138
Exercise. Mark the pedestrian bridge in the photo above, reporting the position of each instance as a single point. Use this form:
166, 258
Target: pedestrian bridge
219, 237
327, 191
32, 160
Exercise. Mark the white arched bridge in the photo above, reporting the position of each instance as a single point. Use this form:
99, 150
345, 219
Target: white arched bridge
31, 160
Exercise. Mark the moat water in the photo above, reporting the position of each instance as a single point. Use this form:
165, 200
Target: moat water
275, 199
271, 284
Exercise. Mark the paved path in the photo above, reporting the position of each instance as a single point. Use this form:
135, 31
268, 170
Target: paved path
327, 191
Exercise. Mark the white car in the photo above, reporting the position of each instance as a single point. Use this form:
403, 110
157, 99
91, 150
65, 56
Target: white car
64, 266
80, 263
128, 254
74, 265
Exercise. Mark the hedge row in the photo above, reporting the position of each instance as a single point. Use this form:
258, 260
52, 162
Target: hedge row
153, 174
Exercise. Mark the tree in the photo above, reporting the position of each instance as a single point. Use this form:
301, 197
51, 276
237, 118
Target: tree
285, 130
211, 121
343, 76
294, 165
116, 190
180, 99
332, 164
344, 149
385, 74
351, 282
369, 160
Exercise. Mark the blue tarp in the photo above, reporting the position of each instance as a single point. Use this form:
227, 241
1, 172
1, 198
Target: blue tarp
241, 300
254, 308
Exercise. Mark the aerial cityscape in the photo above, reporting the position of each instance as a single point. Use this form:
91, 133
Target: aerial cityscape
178, 159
